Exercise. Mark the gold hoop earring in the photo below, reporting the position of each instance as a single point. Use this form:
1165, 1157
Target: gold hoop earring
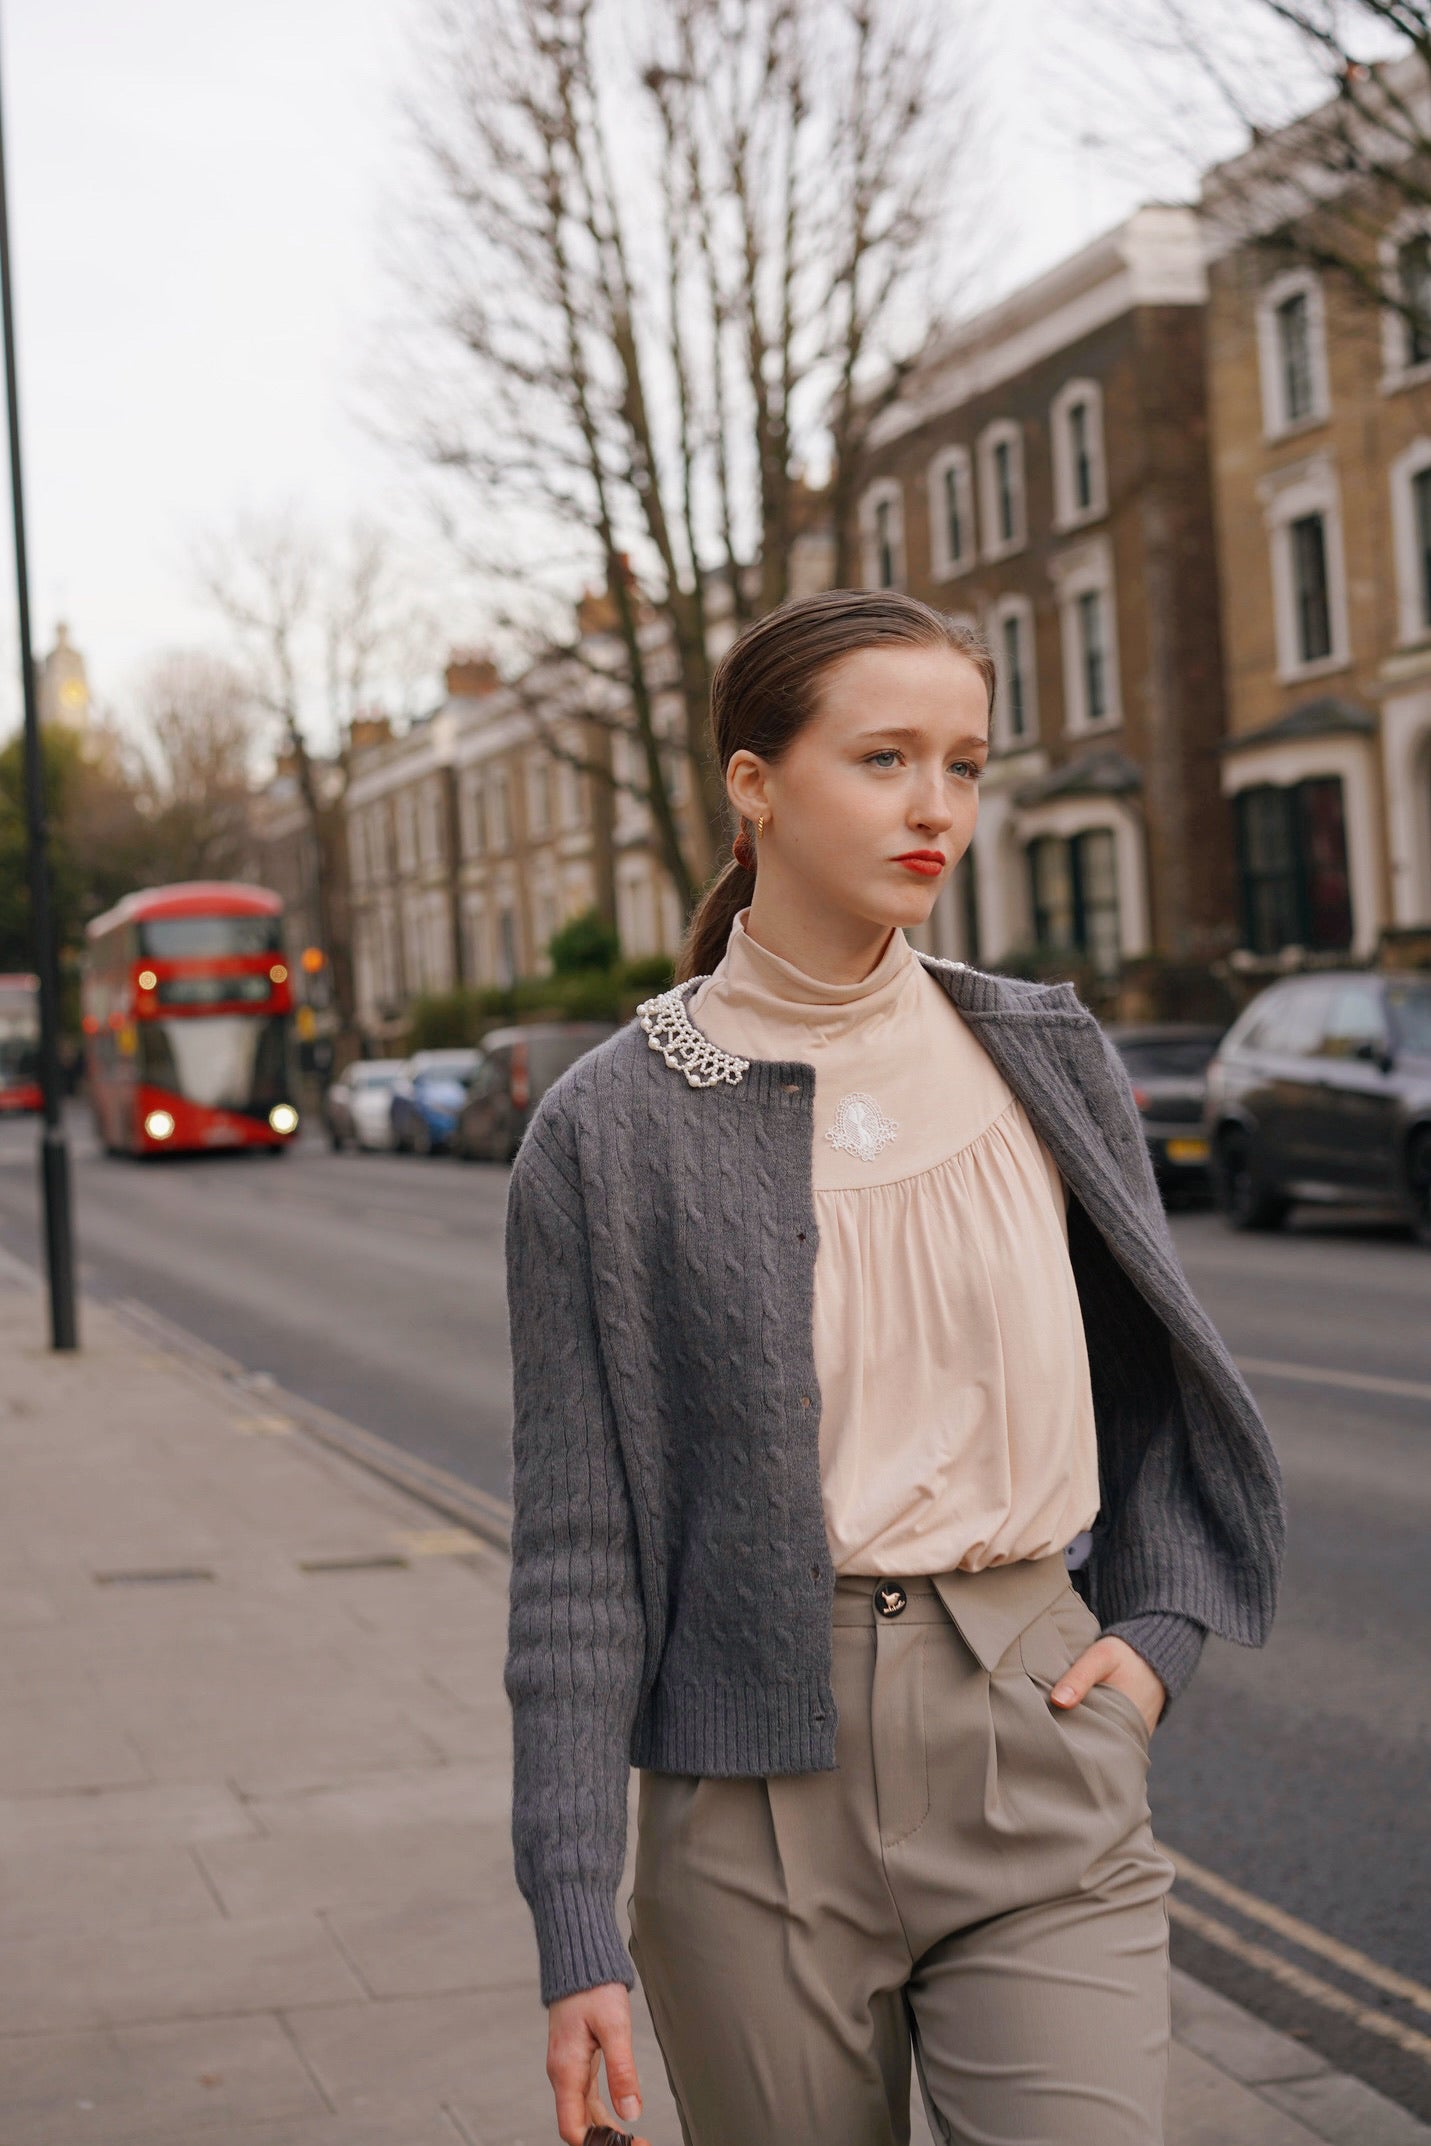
760, 827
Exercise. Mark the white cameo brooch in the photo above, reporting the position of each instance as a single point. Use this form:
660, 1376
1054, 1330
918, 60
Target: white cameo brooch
861, 1127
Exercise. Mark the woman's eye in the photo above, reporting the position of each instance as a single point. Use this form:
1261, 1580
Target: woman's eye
970, 769
884, 757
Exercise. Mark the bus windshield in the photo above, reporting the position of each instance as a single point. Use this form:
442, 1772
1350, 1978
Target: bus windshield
229, 1062
175, 938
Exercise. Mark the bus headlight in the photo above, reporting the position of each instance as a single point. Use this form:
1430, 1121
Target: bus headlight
159, 1124
283, 1118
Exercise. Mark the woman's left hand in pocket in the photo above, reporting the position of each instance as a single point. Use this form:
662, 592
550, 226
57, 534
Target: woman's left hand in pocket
1113, 1661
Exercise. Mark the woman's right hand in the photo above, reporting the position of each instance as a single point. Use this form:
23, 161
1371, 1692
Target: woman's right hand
581, 2029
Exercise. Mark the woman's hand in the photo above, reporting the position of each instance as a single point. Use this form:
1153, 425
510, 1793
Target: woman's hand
580, 2030
1113, 1661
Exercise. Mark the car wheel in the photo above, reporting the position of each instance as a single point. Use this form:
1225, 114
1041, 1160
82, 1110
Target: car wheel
335, 1140
1418, 1176
1247, 1202
421, 1138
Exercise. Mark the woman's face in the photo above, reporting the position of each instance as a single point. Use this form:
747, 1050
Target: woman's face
874, 803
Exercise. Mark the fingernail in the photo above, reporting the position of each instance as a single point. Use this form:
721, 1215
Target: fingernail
631, 2106
1064, 1693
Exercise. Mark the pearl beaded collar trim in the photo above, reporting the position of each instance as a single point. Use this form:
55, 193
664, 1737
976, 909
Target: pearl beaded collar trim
671, 1031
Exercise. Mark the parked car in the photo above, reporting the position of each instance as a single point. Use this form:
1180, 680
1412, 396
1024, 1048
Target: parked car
1167, 1065
427, 1098
356, 1106
1321, 1091
519, 1066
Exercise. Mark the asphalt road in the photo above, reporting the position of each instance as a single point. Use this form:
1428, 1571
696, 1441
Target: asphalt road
1299, 1775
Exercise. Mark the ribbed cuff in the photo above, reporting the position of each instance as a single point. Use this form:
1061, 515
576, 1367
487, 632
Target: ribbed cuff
1169, 1643
578, 1941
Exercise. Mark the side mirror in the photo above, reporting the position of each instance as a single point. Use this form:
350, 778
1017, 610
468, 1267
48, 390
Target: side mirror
1375, 1053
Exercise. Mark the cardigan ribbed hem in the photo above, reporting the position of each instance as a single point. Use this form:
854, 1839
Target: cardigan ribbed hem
579, 1942
1170, 1644
725, 1730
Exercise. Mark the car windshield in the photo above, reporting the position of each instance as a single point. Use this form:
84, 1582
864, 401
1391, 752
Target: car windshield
1179, 1057
374, 1076
172, 938
232, 1062
1410, 1008
448, 1065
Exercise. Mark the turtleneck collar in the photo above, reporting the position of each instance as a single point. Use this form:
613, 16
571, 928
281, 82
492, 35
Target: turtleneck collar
751, 970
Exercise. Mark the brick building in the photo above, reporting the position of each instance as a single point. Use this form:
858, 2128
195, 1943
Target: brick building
1045, 475
470, 842
1320, 404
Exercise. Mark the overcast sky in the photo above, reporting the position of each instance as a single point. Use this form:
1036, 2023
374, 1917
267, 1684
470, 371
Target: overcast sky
197, 200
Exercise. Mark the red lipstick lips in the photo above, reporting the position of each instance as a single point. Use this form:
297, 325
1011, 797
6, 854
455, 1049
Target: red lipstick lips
927, 862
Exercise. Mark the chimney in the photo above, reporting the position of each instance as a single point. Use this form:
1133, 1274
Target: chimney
368, 730
470, 676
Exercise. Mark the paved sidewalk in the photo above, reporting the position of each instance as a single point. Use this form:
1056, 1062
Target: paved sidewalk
255, 1881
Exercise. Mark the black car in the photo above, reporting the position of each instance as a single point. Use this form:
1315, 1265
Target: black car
1167, 1065
519, 1066
1321, 1091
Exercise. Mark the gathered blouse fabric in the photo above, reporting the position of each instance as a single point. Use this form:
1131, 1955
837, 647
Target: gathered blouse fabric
956, 1425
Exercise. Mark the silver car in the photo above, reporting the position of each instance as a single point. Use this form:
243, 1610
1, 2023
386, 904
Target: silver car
357, 1105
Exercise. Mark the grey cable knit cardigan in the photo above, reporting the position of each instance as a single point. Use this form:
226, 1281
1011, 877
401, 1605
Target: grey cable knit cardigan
671, 1583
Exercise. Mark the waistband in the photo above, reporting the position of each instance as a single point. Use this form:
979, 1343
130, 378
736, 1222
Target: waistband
990, 1608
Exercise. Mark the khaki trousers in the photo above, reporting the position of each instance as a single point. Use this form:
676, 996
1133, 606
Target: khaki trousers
976, 1884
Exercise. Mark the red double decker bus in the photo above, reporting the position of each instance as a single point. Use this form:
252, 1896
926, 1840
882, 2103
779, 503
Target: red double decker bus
20, 1043
187, 1005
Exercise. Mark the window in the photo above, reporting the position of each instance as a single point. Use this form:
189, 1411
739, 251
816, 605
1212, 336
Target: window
1356, 1024
1301, 503
573, 796
1421, 512
1083, 578
1294, 356
357, 850
472, 828
1076, 429
951, 512
407, 831
539, 795
1307, 536
507, 960
1413, 277
1016, 709
499, 816
1291, 339
882, 528
1292, 860
1093, 656
1001, 465
1074, 883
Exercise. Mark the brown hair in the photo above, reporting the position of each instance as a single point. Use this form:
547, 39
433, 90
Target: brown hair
765, 690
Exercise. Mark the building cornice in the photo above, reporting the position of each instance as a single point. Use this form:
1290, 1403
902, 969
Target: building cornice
1155, 258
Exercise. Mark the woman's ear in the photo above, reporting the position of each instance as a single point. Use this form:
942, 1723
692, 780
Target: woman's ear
745, 785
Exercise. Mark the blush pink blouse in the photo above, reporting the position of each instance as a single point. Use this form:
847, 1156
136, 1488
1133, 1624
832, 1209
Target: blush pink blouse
956, 1423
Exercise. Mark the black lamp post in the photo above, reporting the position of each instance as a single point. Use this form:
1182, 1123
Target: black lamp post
54, 1153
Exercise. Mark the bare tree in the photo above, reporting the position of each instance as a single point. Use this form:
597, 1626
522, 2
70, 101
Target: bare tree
681, 257
322, 633
199, 719
1318, 111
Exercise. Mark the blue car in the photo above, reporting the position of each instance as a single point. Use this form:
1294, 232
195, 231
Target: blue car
428, 1097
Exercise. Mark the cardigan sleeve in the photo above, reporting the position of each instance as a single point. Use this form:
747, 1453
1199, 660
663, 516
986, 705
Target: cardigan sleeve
576, 1631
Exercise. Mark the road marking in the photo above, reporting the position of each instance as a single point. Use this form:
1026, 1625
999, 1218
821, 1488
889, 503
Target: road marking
1323, 1993
440, 1542
1301, 1933
266, 1426
1350, 1381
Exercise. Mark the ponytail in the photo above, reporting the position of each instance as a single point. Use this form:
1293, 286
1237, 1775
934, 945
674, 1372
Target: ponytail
714, 913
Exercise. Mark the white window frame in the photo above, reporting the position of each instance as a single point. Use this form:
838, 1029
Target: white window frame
1306, 488
1303, 283
884, 492
1005, 431
1397, 370
407, 831
1413, 616
1020, 609
1063, 818
1087, 570
499, 811
955, 462
357, 851
1067, 514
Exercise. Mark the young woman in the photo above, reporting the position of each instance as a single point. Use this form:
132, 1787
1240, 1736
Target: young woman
877, 1477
